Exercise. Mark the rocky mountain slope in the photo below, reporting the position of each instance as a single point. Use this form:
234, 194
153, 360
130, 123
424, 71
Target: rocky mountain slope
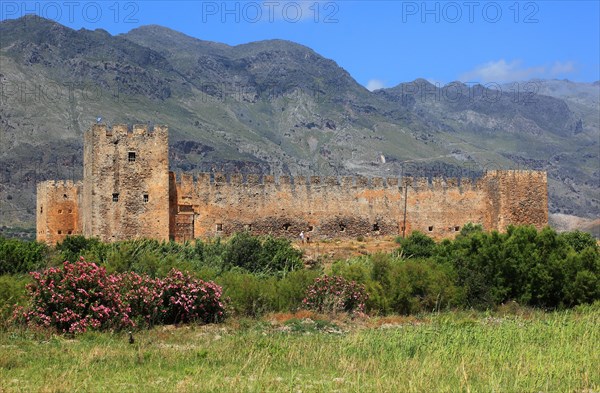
273, 106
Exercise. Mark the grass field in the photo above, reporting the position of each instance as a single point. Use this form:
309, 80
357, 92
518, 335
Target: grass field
452, 352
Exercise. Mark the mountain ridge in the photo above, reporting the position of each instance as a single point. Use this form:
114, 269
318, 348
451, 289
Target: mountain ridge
273, 107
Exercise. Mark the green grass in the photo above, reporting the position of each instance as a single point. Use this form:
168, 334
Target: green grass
554, 352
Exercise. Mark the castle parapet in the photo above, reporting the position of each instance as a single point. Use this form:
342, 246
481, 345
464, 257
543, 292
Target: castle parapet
124, 130
253, 179
300, 180
331, 181
438, 183
203, 179
392, 182
466, 184
220, 178
422, 184
362, 181
377, 182
347, 181
236, 179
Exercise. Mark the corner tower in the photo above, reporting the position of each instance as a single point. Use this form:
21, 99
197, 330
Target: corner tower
126, 182
57, 210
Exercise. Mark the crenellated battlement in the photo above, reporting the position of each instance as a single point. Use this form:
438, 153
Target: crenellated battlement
438, 183
129, 131
59, 184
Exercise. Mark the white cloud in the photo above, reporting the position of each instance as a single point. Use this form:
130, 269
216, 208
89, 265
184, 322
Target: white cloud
562, 68
501, 71
375, 84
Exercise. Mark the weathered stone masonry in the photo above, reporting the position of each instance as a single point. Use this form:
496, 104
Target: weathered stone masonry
128, 192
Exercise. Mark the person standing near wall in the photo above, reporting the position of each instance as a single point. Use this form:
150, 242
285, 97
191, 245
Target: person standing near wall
302, 236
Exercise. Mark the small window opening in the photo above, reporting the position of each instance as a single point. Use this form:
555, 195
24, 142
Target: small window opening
146, 198
59, 211
219, 227
69, 232
311, 228
59, 232
376, 227
65, 196
41, 209
342, 227
430, 228
70, 211
286, 227
456, 228
115, 197
131, 156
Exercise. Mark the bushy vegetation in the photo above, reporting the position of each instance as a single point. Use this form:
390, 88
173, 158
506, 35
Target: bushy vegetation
80, 296
265, 255
480, 270
402, 286
536, 268
259, 275
334, 294
18, 256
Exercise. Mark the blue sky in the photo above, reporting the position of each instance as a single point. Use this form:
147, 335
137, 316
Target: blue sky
381, 43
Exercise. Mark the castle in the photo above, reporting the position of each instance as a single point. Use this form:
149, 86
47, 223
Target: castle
128, 192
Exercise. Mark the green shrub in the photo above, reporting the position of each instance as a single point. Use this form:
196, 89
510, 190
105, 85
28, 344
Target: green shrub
243, 250
13, 292
292, 288
271, 256
74, 247
17, 256
382, 270
422, 286
579, 240
279, 257
582, 277
418, 245
356, 269
248, 294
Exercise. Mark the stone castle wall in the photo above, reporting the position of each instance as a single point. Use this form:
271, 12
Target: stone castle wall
220, 204
128, 192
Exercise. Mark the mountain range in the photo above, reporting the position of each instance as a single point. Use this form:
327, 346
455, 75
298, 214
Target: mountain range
277, 107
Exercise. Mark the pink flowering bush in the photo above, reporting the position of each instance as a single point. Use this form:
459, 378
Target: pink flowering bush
81, 296
188, 299
335, 294
77, 297
144, 297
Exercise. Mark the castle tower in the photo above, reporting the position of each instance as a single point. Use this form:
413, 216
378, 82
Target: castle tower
57, 210
125, 183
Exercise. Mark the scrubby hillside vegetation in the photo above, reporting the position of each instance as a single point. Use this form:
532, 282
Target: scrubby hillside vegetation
477, 270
